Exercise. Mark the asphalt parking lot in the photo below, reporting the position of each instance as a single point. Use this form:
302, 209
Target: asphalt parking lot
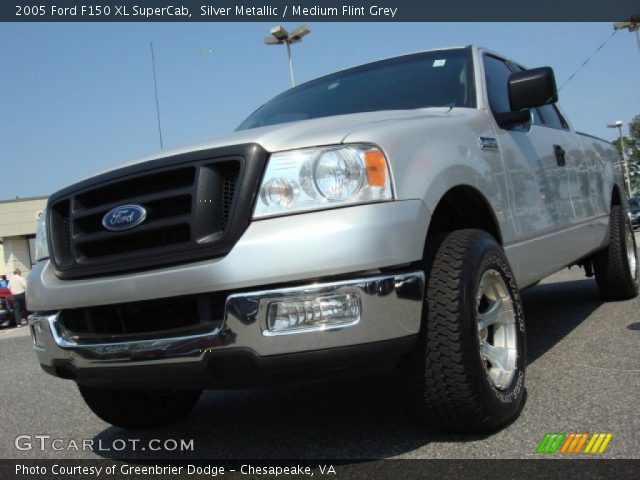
583, 375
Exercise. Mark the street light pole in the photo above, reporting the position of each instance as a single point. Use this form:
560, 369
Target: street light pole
625, 167
280, 36
293, 78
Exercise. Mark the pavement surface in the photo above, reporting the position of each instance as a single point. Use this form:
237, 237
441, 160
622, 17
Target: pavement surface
583, 375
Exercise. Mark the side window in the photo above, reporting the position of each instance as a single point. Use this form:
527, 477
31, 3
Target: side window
564, 123
551, 117
536, 119
497, 73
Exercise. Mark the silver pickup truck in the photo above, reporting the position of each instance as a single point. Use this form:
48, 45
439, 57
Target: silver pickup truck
382, 216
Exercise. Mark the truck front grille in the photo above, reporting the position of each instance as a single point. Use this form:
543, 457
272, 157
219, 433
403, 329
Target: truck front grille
197, 207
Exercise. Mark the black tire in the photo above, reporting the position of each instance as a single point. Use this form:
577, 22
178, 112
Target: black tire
449, 381
139, 409
611, 266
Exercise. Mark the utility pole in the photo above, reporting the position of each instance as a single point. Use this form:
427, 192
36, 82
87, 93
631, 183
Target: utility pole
625, 167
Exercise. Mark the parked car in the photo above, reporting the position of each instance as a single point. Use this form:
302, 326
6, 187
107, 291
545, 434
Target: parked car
6, 312
5, 292
385, 215
634, 211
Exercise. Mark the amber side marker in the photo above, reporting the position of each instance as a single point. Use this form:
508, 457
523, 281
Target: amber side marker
376, 168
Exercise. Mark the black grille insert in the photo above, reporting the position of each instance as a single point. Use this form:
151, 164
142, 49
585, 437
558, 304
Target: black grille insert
154, 238
136, 187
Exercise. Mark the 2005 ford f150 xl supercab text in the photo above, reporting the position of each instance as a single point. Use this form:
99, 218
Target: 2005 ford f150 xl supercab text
383, 216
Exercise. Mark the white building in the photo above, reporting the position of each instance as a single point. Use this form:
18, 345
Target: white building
18, 219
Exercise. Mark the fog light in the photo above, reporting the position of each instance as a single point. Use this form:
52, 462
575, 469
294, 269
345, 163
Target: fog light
314, 312
36, 331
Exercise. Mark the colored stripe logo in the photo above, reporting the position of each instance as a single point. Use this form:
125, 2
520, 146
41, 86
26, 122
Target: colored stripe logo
550, 443
574, 443
598, 443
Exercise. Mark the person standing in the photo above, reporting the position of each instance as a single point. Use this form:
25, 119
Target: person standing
18, 286
3, 281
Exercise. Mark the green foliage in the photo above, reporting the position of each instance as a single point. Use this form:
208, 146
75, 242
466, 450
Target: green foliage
631, 146
634, 130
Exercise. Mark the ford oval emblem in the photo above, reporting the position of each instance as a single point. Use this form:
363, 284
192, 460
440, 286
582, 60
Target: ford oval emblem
124, 217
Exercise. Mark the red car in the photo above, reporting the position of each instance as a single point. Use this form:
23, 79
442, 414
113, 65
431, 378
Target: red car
5, 292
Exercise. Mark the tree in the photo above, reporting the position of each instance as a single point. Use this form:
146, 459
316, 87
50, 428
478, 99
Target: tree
634, 130
631, 147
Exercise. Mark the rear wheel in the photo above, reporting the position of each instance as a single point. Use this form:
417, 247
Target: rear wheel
139, 409
469, 367
616, 267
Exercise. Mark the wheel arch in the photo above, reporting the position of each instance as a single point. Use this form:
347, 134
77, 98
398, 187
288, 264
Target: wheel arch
616, 195
464, 206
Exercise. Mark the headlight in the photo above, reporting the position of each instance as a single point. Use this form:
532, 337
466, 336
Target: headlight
42, 249
324, 177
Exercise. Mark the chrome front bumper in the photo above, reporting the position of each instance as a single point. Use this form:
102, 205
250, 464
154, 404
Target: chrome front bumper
391, 309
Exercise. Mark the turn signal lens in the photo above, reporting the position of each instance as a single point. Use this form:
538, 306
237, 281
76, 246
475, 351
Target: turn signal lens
376, 166
42, 248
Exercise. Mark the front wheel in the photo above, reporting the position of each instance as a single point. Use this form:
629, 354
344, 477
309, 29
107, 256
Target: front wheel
469, 365
139, 409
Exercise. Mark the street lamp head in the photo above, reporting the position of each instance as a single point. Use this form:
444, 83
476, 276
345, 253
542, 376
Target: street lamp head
632, 25
280, 36
299, 32
617, 124
279, 32
272, 41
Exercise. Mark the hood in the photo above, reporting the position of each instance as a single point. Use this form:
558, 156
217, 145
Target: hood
299, 134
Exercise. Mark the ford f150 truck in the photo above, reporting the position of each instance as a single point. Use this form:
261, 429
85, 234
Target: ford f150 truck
385, 215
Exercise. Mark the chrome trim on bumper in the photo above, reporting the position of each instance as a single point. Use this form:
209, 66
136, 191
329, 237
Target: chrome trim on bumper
391, 308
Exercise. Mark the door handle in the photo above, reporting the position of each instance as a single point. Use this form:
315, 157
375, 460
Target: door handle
560, 158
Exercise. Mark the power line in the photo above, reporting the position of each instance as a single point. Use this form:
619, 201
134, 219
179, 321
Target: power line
588, 59
155, 84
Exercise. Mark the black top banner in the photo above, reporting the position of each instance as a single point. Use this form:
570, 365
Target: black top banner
316, 10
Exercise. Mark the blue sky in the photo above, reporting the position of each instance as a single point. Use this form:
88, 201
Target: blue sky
76, 98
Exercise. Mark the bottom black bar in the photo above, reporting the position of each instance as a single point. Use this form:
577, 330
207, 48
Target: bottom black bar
330, 469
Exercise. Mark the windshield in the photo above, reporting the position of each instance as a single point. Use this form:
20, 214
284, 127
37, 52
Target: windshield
442, 78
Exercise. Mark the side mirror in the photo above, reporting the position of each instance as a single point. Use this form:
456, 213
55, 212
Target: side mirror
528, 89
532, 88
